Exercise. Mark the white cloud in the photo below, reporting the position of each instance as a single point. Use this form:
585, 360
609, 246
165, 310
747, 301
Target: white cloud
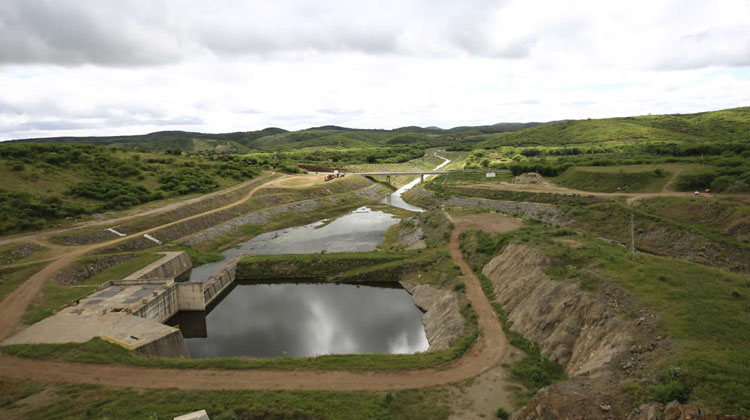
96, 68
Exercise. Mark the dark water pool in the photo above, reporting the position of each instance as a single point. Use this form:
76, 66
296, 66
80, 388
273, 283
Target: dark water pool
306, 319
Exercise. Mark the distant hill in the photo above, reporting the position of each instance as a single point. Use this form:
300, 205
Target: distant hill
725, 125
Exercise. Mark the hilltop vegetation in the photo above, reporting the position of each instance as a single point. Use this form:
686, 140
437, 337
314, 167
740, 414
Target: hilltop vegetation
55, 180
716, 126
42, 183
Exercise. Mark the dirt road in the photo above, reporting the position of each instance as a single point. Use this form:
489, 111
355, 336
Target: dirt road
554, 189
16, 302
491, 348
36, 236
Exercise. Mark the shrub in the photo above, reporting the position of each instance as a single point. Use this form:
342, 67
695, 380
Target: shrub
696, 181
502, 414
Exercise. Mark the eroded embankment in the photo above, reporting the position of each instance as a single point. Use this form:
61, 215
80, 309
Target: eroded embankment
577, 329
442, 319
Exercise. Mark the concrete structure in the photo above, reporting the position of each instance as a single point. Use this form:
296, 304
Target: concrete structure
131, 312
215, 285
198, 415
171, 266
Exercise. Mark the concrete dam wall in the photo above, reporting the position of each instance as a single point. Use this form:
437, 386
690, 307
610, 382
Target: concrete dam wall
171, 266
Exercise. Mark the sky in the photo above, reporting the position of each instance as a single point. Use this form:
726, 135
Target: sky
106, 67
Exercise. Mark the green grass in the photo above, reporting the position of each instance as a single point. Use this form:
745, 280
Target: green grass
198, 258
46, 183
12, 391
54, 297
10, 278
720, 216
147, 222
80, 402
730, 124
325, 265
632, 178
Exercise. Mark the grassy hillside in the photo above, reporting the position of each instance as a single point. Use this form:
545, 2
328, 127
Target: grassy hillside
725, 125
636, 178
173, 140
41, 183
276, 139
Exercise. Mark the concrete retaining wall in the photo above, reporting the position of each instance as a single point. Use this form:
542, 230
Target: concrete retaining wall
214, 285
171, 345
160, 306
190, 297
172, 265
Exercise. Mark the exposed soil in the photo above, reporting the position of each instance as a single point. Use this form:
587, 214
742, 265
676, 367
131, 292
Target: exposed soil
669, 185
529, 178
483, 395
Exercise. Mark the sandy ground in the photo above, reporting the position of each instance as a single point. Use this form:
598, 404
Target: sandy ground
490, 349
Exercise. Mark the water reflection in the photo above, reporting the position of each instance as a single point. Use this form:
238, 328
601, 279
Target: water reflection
299, 320
394, 199
360, 230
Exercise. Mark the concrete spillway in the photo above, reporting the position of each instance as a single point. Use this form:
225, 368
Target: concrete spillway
128, 312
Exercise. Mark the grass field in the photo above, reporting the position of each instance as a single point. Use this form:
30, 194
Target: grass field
729, 124
80, 402
638, 178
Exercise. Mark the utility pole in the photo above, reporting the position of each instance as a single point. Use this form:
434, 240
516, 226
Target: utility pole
632, 237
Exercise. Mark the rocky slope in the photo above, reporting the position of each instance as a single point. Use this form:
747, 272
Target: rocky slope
579, 330
442, 319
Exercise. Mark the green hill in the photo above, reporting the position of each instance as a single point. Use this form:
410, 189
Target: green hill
42, 182
725, 125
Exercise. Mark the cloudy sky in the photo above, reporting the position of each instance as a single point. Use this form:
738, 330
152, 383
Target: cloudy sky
104, 67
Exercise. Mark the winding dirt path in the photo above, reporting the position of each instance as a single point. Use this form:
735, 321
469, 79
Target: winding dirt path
42, 236
489, 350
15, 303
554, 189
668, 186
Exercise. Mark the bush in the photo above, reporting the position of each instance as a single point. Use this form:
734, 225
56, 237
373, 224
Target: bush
185, 181
502, 414
696, 181
673, 388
